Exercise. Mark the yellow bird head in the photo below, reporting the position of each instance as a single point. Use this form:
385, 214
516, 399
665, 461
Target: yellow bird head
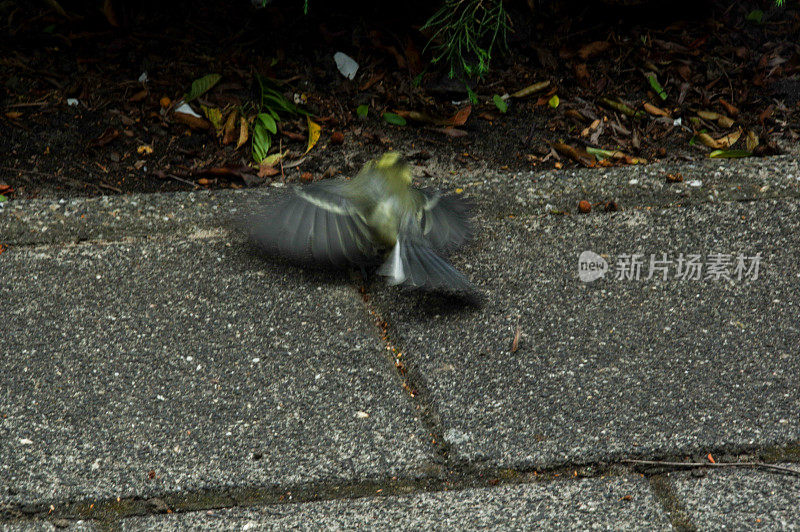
394, 167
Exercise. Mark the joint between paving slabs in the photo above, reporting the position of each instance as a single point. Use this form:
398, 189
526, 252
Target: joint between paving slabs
411, 380
106, 513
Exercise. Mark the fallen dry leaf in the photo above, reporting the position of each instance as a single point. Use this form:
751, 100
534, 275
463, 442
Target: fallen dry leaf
139, 96
577, 154
229, 129
530, 89
707, 140
515, 343
752, 140
314, 131
106, 137
244, 133
451, 131
593, 48
194, 122
460, 118
729, 108
730, 139
653, 110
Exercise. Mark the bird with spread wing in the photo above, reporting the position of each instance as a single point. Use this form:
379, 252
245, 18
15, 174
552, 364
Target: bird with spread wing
378, 216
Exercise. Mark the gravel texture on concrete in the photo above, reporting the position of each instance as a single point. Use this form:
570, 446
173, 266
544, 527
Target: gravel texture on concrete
616, 367
736, 499
133, 369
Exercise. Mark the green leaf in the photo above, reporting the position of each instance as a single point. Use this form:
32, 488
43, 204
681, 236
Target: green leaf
394, 119
362, 111
473, 98
201, 86
500, 103
729, 154
756, 16
268, 121
261, 141
554, 101
3, 198
600, 153
656, 85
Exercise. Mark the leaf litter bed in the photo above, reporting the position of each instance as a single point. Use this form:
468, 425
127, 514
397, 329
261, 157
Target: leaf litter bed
212, 94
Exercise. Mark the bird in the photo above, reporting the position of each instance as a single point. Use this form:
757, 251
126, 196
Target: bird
376, 218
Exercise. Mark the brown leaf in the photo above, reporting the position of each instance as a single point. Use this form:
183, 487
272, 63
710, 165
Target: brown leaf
593, 48
244, 133
451, 131
460, 118
293, 136
730, 139
110, 13
515, 342
685, 72
752, 140
371, 81
653, 110
729, 108
139, 96
107, 136
194, 122
268, 171
579, 155
706, 140
582, 74
229, 129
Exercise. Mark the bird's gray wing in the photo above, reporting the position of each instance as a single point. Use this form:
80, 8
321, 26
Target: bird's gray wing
319, 222
445, 221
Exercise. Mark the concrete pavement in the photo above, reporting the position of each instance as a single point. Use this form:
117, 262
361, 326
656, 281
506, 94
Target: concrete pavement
156, 374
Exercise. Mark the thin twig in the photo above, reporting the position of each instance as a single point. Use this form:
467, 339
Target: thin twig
717, 464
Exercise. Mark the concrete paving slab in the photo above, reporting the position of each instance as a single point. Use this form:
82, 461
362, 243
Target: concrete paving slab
737, 499
495, 193
596, 504
143, 368
631, 187
613, 368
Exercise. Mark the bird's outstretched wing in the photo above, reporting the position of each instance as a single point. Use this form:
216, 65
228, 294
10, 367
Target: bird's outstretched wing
318, 222
445, 222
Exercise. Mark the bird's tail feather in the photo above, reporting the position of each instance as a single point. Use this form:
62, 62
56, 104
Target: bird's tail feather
412, 262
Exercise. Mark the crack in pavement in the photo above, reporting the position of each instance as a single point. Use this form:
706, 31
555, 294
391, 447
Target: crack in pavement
106, 511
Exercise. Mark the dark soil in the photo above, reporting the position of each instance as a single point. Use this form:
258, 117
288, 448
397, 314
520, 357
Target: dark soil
121, 134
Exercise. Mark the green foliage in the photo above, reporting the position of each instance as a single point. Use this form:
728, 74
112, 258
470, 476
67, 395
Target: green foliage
273, 104
394, 119
362, 111
651, 77
465, 33
201, 86
500, 103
